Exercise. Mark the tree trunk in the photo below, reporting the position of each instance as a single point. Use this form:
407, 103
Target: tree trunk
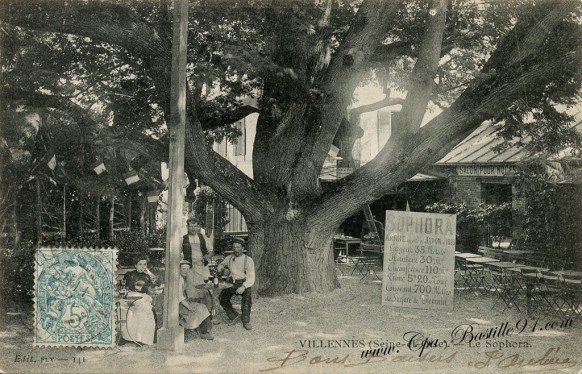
286, 263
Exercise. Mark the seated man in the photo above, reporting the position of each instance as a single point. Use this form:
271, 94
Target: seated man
241, 269
193, 315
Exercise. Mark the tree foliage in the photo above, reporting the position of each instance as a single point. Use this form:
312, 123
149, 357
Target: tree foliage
105, 67
552, 210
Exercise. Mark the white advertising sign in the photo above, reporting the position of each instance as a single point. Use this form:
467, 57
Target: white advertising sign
419, 260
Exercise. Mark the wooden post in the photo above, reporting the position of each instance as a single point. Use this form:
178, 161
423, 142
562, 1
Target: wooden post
171, 335
38, 211
111, 218
81, 206
64, 232
128, 218
98, 218
142, 215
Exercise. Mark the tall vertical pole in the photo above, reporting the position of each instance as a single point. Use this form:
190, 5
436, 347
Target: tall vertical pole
171, 335
64, 232
112, 218
98, 217
38, 211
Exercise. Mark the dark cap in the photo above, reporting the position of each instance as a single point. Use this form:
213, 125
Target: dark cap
240, 241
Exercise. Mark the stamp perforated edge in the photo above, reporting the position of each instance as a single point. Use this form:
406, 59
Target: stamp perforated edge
113, 275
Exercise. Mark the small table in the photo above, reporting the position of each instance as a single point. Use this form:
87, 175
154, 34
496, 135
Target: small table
465, 273
569, 272
475, 273
504, 265
505, 284
467, 255
518, 268
210, 287
345, 242
365, 263
481, 260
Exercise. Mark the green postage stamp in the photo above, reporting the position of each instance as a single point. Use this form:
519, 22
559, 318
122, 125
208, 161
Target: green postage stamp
74, 297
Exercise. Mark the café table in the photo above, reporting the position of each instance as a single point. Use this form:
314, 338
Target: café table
466, 255
210, 287
463, 271
370, 258
504, 283
505, 265
344, 242
481, 260
569, 272
461, 259
526, 278
518, 268
475, 272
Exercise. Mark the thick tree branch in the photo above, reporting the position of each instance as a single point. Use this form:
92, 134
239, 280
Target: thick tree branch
399, 161
220, 174
387, 101
358, 46
211, 121
529, 34
117, 25
424, 72
105, 22
338, 83
77, 112
389, 52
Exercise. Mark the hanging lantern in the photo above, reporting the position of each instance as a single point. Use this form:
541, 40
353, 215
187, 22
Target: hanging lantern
52, 161
98, 167
131, 177
153, 196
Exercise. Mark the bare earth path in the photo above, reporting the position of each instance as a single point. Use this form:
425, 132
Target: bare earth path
327, 333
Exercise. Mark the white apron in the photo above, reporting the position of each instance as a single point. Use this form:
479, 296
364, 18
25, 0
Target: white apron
140, 325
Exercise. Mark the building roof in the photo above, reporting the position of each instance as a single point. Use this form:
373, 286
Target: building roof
420, 177
478, 148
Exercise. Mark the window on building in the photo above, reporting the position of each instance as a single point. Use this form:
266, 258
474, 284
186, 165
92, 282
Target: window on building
384, 127
221, 149
240, 145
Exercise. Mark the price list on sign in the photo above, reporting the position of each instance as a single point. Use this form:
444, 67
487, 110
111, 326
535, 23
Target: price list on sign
419, 260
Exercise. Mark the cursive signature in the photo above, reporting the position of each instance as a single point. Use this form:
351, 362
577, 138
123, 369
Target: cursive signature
297, 356
503, 361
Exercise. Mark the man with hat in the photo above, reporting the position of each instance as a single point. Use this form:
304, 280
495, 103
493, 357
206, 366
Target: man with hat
241, 271
193, 315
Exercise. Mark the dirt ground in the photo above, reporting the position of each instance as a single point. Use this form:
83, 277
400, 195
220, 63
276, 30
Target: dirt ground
327, 333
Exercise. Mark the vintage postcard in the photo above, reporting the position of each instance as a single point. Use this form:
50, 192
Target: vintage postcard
291, 186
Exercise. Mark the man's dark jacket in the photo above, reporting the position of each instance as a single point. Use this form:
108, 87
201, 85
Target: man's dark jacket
187, 249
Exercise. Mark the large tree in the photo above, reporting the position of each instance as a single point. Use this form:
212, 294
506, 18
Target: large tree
304, 60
